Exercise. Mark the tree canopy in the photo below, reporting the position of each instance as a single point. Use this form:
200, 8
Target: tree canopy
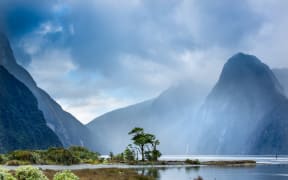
145, 143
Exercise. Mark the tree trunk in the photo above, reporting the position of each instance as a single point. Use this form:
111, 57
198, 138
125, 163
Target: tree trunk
142, 152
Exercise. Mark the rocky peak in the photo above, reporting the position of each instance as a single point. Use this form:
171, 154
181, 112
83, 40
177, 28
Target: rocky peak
6, 55
243, 69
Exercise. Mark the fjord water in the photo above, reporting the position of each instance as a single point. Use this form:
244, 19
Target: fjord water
267, 168
259, 172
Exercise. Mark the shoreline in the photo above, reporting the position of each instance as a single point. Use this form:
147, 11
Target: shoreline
160, 164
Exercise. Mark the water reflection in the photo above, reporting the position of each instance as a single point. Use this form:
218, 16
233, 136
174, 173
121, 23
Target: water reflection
260, 172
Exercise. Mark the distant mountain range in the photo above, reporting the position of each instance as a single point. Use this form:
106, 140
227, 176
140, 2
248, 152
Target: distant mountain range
246, 112
69, 130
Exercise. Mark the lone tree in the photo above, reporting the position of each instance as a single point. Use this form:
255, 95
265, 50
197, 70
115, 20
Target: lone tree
144, 142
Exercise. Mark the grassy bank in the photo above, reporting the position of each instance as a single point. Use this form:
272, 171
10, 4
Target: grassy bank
104, 174
230, 163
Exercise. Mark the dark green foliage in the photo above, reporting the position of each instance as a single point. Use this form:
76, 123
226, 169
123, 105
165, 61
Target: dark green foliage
144, 142
148, 155
155, 154
129, 154
22, 156
193, 162
119, 157
1, 158
73, 155
16, 163
111, 155
62, 156
116, 158
84, 154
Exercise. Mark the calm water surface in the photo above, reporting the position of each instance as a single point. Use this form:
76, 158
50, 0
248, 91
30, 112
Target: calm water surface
267, 168
260, 172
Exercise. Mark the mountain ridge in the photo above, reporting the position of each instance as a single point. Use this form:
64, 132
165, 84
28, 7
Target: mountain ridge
22, 124
244, 95
62, 123
234, 118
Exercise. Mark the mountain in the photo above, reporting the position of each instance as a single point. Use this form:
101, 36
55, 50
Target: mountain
282, 76
272, 136
61, 122
244, 112
167, 116
22, 124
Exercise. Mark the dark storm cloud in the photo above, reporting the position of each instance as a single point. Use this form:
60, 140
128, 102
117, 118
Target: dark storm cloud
103, 32
19, 17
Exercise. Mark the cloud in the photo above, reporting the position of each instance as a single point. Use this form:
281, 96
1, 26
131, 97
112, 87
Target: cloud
19, 17
270, 43
93, 106
131, 50
225, 23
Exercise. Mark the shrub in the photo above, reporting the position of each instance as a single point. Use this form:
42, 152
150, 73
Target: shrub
29, 173
22, 156
155, 154
119, 157
129, 155
83, 154
17, 163
198, 178
5, 175
193, 162
62, 156
65, 175
2, 160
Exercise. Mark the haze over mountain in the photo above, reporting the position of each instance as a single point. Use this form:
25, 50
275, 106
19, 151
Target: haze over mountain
245, 113
168, 116
22, 124
69, 130
241, 111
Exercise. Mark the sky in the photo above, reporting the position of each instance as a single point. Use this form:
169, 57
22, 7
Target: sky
94, 56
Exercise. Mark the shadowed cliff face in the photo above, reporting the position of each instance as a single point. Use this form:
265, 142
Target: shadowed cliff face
282, 76
247, 91
22, 124
272, 136
69, 130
